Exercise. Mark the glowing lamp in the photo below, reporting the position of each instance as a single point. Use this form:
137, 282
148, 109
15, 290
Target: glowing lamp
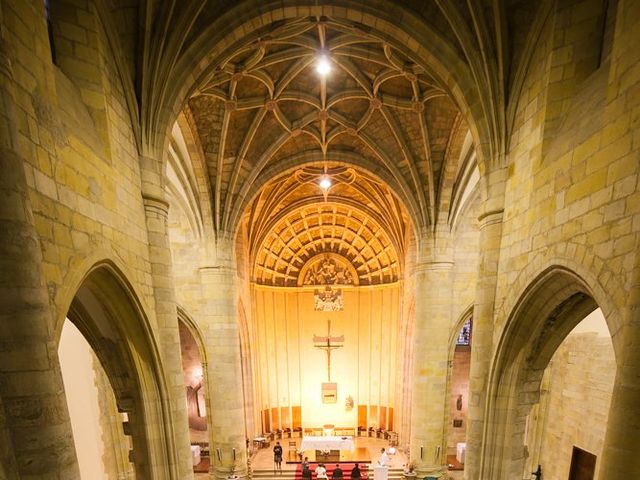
325, 183
323, 66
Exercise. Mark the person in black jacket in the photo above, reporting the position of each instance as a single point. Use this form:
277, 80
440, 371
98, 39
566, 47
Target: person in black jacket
277, 457
355, 472
337, 473
306, 472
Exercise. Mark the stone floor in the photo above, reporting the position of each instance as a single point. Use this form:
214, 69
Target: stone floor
262, 459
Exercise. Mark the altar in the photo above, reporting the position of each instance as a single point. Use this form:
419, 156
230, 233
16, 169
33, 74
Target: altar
327, 443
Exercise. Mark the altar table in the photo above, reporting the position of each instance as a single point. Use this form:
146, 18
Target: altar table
327, 443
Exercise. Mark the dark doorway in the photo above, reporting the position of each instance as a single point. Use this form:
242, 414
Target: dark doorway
583, 465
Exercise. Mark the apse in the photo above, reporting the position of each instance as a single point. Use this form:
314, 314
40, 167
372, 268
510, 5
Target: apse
326, 300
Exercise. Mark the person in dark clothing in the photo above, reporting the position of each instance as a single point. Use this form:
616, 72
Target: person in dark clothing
306, 472
337, 473
355, 472
277, 457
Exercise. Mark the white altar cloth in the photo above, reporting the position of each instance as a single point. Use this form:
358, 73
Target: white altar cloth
327, 443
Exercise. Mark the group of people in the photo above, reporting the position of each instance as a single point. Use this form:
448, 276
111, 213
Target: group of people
321, 471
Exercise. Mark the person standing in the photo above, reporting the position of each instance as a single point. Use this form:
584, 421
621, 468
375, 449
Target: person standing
383, 461
277, 457
321, 472
337, 473
355, 472
305, 463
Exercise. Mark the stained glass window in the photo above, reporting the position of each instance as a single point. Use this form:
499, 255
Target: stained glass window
464, 337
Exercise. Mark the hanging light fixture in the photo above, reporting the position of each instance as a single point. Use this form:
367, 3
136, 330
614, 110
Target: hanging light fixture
325, 182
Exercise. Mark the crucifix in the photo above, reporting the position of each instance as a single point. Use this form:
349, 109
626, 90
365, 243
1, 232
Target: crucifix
328, 343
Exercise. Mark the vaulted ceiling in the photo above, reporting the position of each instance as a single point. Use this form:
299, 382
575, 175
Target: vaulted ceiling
377, 124
414, 92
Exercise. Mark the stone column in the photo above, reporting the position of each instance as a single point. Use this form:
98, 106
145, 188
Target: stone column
156, 211
483, 318
433, 281
219, 323
620, 452
36, 418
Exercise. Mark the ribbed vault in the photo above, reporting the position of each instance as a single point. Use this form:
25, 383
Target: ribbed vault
265, 109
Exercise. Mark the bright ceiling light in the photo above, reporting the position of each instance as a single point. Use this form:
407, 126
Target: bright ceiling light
325, 183
323, 66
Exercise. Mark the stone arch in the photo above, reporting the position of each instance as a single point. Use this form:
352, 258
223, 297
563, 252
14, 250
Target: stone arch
194, 329
186, 321
107, 312
466, 315
290, 164
542, 314
80, 266
604, 286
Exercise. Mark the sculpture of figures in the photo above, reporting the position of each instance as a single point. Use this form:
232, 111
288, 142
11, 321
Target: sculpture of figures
328, 272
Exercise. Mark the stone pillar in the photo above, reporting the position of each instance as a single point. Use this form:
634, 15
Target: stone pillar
620, 458
156, 211
620, 455
428, 449
36, 418
219, 323
483, 318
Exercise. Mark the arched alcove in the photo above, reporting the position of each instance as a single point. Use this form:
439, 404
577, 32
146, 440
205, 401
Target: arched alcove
107, 314
101, 446
566, 427
550, 308
458, 389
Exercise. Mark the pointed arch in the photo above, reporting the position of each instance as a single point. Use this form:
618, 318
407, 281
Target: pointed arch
107, 312
545, 312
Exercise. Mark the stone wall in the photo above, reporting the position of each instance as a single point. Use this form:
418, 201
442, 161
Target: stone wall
581, 376
575, 201
292, 370
78, 145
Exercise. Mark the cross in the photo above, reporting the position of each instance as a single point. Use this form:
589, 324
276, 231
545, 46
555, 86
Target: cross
327, 343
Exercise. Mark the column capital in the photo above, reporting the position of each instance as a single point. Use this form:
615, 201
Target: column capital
433, 266
212, 270
156, 205
490, 217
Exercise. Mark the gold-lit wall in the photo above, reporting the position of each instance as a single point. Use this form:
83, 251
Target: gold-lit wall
291, 371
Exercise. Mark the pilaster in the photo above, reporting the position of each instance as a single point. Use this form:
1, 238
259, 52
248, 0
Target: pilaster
620, 459
219, 324
490, 223
156, 213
